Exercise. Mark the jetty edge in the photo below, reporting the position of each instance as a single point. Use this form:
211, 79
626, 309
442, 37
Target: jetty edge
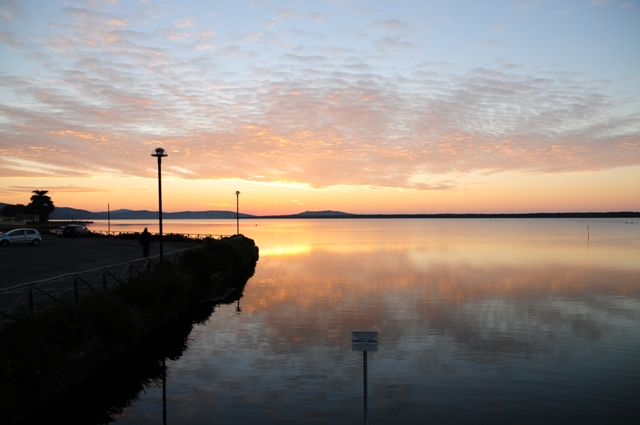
44, 356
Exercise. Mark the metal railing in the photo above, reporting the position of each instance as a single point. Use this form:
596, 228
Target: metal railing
191, 236
33, 297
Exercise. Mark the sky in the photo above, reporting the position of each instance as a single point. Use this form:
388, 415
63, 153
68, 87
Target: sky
362, 106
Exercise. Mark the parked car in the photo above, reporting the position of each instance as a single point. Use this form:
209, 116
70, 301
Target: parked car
60, 231
16, 236
75, 231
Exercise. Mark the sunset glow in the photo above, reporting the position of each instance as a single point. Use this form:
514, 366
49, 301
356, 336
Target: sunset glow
356, 106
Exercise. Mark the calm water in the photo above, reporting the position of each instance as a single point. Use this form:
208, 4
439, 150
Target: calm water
479, 321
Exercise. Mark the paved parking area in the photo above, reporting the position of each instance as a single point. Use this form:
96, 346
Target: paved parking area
57, 256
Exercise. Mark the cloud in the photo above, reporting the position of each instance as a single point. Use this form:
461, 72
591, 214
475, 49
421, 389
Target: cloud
390, 26
118, 23
305, 34
256, 106
281, 15
393, 43
11, 11
492, 42
329, 128
176, 35
14, 190
186, 22
527, 5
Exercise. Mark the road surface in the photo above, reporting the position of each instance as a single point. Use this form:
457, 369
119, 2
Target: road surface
56, 256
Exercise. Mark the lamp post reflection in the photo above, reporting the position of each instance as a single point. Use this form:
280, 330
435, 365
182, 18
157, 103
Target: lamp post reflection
159, 154
164, 391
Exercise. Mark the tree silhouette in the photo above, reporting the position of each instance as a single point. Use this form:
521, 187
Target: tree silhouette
41, 205
13, 211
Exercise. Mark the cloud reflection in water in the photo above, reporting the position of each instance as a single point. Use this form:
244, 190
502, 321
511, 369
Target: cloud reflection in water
487, 323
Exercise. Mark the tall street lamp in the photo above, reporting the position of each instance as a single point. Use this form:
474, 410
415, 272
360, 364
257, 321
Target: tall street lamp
159, 154
237, 212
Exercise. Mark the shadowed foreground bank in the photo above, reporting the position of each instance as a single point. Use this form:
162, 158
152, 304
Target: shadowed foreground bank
108, 391
44, 357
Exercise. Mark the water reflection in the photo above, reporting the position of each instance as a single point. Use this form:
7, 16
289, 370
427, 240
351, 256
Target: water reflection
487, 309
478, 321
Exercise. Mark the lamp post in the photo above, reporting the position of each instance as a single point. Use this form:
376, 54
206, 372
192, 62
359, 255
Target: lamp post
237, 212
159, 154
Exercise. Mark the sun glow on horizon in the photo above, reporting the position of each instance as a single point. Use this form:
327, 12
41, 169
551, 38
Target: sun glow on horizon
497, 193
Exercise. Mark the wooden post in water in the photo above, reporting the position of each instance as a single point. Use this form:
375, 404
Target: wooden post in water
364, 363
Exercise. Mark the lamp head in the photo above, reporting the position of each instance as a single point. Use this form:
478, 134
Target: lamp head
159, 153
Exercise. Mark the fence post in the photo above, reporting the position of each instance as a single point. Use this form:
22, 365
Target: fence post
31, 304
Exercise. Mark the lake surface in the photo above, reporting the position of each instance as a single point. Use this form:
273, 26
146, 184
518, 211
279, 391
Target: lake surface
478, 320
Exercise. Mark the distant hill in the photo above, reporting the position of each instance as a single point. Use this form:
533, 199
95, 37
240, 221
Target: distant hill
314, 214
65, 213
321, 214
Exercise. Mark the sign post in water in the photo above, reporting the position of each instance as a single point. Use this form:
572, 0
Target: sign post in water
364, 341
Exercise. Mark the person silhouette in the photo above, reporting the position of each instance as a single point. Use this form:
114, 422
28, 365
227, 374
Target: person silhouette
145, 241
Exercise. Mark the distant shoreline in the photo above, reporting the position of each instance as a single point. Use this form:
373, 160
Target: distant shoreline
341, 215
66, 214
623, 214
55, 223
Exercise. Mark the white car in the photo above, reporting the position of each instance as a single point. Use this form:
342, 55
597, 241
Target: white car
16, 236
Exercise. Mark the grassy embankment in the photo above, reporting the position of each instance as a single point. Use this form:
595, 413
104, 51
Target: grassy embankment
44, 355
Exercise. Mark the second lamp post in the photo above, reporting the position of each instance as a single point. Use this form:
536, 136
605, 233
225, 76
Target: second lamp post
159, 154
